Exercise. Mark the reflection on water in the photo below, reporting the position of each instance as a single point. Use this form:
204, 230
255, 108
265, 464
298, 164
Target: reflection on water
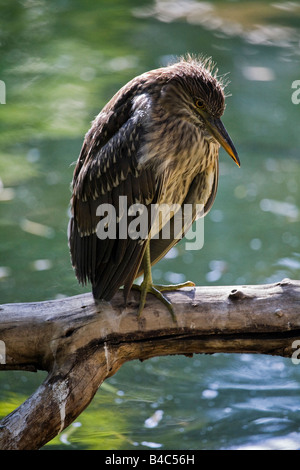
61, 62
255, 22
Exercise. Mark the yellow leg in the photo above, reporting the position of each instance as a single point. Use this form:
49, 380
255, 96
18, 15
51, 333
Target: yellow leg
147, 286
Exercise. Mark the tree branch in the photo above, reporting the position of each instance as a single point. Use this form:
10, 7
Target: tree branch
80, 343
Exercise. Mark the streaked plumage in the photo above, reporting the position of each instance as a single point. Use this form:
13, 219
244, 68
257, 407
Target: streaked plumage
156, 141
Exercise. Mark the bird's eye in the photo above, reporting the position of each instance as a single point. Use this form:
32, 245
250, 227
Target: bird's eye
199, 104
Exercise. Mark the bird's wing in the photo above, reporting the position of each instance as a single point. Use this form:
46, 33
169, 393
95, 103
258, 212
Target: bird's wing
197, 194
107, 169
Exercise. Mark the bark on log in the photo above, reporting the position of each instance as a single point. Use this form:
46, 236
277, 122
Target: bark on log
80, 343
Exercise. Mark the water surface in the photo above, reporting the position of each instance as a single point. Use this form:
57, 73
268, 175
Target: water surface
61, 61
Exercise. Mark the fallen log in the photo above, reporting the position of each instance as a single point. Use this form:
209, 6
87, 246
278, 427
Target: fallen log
81, 343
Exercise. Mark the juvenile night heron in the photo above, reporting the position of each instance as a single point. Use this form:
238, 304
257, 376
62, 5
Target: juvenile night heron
156, 142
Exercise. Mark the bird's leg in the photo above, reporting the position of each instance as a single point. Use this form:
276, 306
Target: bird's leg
147, 286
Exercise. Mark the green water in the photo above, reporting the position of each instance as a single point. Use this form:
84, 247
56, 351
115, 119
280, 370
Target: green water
61, 61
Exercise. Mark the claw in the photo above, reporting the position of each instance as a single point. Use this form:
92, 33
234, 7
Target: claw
147, 286
151, 289
171, 287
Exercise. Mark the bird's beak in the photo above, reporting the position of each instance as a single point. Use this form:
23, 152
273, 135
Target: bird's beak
218, 131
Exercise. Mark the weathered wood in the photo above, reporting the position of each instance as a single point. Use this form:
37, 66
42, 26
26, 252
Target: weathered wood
80, 343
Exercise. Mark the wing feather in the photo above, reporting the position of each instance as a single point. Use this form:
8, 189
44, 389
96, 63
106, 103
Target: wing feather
106, 170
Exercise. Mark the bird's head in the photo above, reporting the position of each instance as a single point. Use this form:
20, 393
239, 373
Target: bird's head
192, 92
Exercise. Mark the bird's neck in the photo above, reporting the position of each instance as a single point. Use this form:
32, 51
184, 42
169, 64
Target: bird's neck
183, 148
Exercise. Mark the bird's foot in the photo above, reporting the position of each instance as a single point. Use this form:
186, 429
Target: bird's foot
155, 289
171, 287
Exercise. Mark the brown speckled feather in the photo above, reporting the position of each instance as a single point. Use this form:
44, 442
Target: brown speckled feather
107, 169
149, 145
159, 247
